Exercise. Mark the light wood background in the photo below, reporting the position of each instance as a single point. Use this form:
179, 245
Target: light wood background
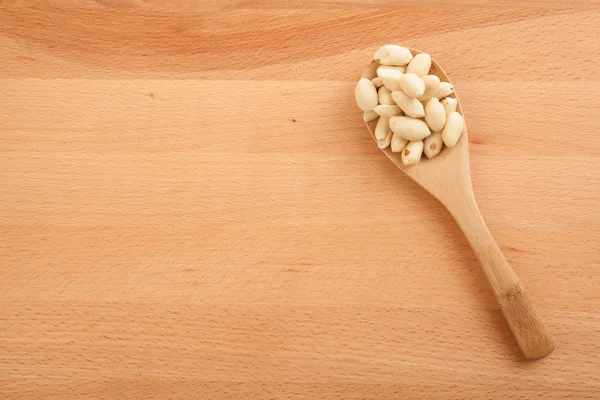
190, 206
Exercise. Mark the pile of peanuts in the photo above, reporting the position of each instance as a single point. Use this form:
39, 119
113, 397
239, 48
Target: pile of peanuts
416, 111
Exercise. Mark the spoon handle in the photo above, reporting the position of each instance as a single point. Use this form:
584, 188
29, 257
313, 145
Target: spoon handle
523, 319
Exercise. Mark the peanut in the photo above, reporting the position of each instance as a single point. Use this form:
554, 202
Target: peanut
365, 94
446, 89
398, 143
433, 144
432, 84
383, 143
453, 129
391, 54
382, 129
412, 153
449, 104
385, 95
369, 116
435, 116
411, 107
420, 65
412, 85
390, 76
409, 128
388, 110
377, 82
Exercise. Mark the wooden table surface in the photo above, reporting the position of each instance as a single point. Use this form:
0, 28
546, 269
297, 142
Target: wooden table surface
191, 207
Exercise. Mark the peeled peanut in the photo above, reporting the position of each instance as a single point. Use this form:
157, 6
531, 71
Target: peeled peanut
391, 54
369, 116
377, 82
435, 116
409, 128
411, 107
398, 143
383, 143
412, 153
449, 104
365, 94
452, 130
412, 85
388, 110
433, 145
382, 129
420, 64
390, 76
385, 95
432, 84
445, 89
393, 68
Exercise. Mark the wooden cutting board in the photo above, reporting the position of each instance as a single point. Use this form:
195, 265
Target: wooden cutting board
190, 206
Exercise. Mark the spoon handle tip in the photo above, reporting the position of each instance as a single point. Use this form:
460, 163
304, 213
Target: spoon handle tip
526, 324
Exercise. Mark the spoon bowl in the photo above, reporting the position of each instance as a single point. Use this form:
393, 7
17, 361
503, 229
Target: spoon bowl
447, 177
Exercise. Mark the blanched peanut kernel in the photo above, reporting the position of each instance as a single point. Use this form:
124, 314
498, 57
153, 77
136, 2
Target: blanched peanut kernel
398, 143
412, 85
382, 128
382, 144
449, 104
391, 54
412, 153
432, 84
420, 64
435, 116
411, 107
433, 144
377, 82
385, 95
409, 128
388, 110
446, 89
453, 129
369, 116
365, 94
390, 76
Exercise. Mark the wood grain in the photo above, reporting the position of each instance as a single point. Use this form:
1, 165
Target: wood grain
190, 206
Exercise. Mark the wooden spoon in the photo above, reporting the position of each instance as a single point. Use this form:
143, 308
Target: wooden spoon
447, 177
